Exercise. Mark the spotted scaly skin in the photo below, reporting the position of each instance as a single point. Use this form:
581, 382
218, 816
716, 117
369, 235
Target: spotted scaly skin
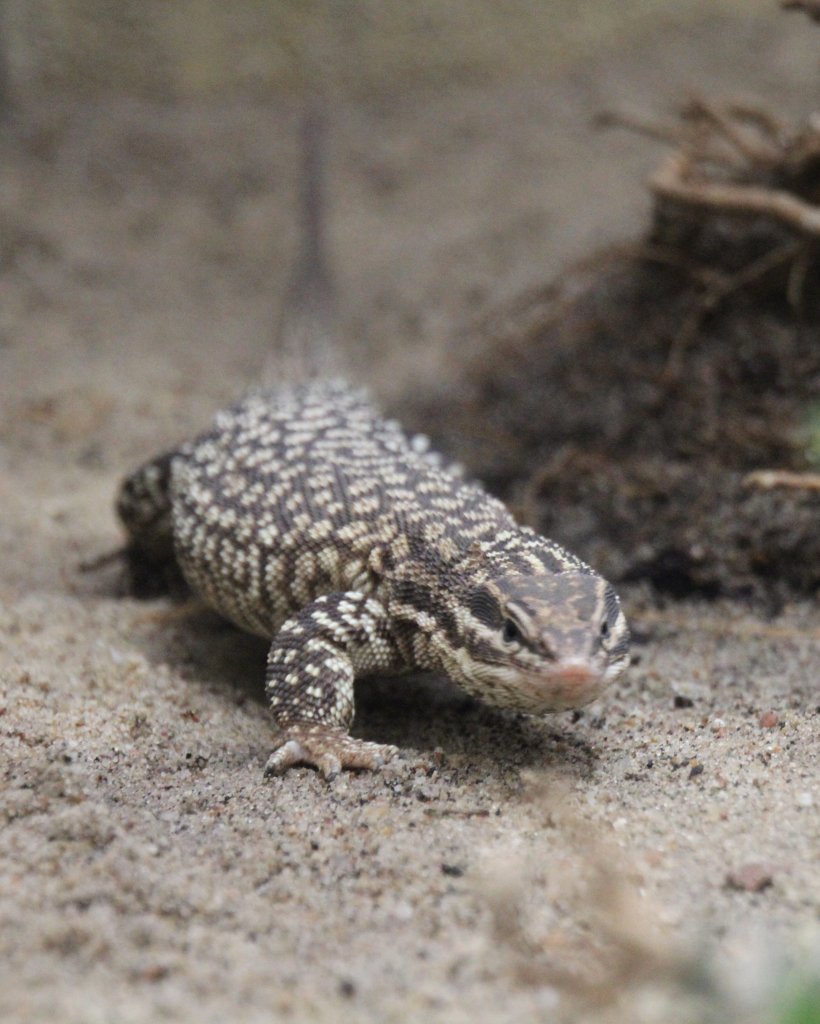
306, 517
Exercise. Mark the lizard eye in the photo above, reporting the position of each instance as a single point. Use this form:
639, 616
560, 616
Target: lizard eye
604, 629
510, 632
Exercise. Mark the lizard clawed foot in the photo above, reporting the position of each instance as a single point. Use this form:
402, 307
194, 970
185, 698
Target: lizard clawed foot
328, 748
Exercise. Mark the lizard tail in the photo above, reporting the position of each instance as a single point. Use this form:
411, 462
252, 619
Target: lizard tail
307, 342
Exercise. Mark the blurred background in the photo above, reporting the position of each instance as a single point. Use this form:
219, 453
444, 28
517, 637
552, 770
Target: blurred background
156, 160
84, 49
147, 226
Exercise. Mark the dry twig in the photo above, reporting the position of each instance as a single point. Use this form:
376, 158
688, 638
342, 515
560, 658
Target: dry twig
672, 181
606, 938
755, 149
766, 479
641, 124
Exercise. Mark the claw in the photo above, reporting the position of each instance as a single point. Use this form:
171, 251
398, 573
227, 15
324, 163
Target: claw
327, 748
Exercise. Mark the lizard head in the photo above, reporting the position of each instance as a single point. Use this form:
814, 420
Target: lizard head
542, 642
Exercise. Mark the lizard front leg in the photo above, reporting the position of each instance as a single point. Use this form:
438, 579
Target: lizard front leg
312, 663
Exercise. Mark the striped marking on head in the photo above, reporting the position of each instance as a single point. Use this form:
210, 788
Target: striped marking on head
542, 641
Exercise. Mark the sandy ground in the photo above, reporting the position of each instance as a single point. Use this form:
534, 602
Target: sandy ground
502, 868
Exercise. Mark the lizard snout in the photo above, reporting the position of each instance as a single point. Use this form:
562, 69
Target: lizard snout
571, 685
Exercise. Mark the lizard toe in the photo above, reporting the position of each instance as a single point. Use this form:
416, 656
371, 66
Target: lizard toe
290, 753
327, 748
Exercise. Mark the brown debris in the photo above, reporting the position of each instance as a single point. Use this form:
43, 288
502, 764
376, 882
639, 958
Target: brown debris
750, 877
626, 408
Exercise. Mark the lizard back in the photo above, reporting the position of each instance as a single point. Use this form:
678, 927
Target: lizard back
292, 491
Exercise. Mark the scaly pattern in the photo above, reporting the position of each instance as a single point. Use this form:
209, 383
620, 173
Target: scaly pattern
306, 517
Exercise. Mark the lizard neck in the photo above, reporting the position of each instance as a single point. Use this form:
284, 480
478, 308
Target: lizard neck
425, 587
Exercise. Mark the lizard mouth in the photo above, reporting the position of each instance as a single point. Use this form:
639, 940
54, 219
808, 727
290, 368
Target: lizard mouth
566, 686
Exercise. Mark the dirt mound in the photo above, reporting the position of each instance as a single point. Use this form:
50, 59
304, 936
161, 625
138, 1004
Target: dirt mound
630, 409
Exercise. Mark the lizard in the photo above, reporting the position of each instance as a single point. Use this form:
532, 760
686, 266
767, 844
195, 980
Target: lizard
305, 516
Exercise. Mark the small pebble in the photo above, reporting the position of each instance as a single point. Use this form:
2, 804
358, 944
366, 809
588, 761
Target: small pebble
155, 973
750, 878
453, 870
768, 720
347, 988
403, 911
682, 702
